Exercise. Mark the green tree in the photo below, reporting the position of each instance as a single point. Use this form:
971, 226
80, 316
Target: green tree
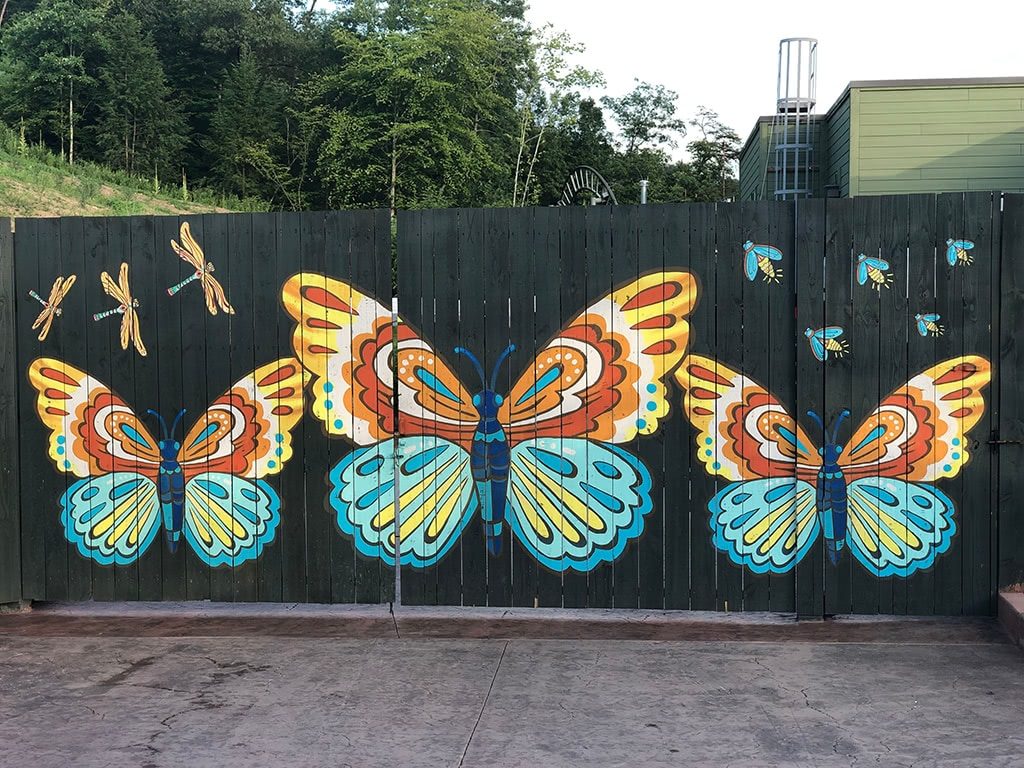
646, 117
47, 68
138, 127
713, 157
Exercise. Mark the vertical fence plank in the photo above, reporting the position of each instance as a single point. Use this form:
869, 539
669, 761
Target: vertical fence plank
753, 358
145, 371
237, 280
703, 334
524, 259
10, 497
1011, 404
271, 339
494, 301
809, 264
383, 590
975, 512
34, 464
845, 303
784, 336
678, 442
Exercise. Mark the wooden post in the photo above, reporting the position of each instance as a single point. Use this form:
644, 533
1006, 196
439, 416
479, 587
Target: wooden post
10, 506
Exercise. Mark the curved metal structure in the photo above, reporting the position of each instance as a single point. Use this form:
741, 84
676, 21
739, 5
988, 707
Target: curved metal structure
585, 179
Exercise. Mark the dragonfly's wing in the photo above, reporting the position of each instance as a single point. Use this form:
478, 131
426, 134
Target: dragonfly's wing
46, 318
65, 287
189, 250
55, 294
122, 281
42, 316
215, 296
112, 288
136, 331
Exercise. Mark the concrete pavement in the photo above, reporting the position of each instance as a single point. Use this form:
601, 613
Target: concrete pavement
376, 701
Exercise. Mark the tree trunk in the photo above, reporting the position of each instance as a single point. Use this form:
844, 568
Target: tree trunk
394, 172
71, 123
533, 162
519, 159
3, 11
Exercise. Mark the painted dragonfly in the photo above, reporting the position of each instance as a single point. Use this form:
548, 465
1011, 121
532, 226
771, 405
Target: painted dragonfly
928, 325
825, 341
51, 306
191, 252
126, 308
874, 269
958, 252
759, 258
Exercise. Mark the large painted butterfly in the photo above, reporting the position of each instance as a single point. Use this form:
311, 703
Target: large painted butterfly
874, 495
208, 487
545, 457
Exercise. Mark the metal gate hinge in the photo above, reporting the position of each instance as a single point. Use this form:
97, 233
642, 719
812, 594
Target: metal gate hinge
995, 442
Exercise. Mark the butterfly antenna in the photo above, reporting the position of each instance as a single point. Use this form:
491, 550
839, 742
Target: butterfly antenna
835, 428
497, 366
475, 362
819, 422
163, 424
177, 418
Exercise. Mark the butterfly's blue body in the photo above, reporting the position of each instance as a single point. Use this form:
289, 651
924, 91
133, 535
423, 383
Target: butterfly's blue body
490, 455
171, 484
831, 491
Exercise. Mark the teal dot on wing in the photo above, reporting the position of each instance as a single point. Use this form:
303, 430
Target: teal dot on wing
60, 450
956, 456
716, 466
279, 451
338, 424
956, 441
328, 387
328, 404
652, 406
652, 388
67, 464
641, 423
279, 437
708, 441
947, 468
708, 452
271, 463
61, 439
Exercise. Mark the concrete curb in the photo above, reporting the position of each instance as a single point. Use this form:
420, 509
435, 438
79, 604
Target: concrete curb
207, 619
1011, 616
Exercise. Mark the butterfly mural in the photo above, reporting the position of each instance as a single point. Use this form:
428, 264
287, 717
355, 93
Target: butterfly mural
825, 342
122, 292
545, 458
875, 270
928, 324
761, 258
192, 254
874, 495
207, 488
51, 306
959, 252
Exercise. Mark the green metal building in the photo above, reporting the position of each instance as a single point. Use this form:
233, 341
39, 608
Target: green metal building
896, 136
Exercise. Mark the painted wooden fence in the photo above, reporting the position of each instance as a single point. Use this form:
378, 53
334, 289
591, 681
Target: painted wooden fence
604, 407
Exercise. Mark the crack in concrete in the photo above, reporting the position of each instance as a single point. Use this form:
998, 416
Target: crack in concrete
483, 705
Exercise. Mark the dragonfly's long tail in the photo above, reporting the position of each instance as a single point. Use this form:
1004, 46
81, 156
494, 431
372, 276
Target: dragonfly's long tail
175, 288
108, 313
38, 298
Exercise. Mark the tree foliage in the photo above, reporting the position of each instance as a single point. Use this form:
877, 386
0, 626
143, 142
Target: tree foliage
360, 103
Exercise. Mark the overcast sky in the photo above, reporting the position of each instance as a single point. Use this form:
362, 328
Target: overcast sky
724, 54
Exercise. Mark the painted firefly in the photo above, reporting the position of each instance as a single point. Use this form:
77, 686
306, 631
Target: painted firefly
759, 258
875, 270
928, 325
825, 341
958, 252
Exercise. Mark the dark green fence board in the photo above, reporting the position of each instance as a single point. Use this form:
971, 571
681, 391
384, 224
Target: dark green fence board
10, 513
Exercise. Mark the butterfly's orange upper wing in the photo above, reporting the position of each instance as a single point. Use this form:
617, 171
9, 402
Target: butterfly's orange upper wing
92, 430
602, 375
919, 431
247, 430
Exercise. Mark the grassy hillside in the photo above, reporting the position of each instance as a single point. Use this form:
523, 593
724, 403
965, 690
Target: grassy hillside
35, 182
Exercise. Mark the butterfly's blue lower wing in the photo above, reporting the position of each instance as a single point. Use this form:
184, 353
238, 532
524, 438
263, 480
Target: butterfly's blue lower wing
767, 525
229, 519
575, 503
750, 264
112, 519
438, 498
896, 527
